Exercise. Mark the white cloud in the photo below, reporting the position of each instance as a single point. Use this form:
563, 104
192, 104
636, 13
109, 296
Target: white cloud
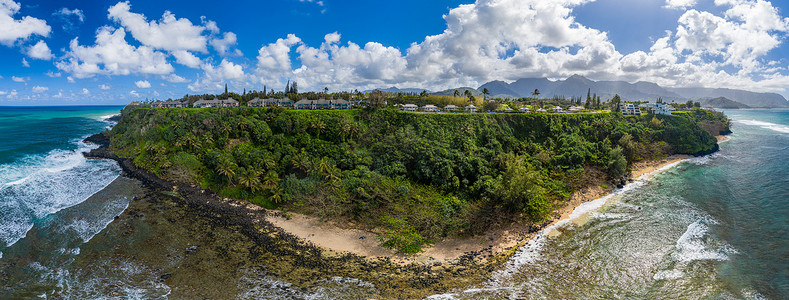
70, 79
40, 89
40, 51
169, 33
85, 91
318, 2
104, 87
186, 58
12, 94
52, 74
223, 45
174, 78
680, 4
12, 29
112, 55
143, 84
71, 12
19, 79
134, 93
25, 63
214, 77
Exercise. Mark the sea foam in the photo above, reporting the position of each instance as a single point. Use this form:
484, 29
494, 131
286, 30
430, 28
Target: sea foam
766, 125
39, 185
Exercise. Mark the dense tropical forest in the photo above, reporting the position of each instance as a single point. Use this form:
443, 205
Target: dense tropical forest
412, 177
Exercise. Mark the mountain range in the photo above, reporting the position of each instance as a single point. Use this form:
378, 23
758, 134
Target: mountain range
578, 86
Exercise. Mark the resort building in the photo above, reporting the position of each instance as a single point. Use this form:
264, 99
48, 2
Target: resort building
270, 102
229, 102
541, 110
631, 109
657, 108
471, 108
169, 104
576, 108
323, 104
524, 109
429, 108
410, 107
558, 109
451, 108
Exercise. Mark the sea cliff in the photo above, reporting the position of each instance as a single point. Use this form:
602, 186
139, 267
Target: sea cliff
413, 178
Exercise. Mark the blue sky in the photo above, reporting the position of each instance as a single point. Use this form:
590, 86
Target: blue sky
114, 52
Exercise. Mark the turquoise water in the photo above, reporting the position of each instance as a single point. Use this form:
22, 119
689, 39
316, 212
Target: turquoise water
42, 169
714, 227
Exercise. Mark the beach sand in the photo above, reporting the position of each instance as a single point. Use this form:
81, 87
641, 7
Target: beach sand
335, 239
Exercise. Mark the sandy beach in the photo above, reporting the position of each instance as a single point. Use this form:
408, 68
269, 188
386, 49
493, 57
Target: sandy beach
331, 237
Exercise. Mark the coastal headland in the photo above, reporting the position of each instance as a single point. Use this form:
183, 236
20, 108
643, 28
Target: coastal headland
352, 247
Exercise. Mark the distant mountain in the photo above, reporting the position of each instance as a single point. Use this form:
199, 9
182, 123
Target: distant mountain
578, 86
461, 90
722, 102
751, 99
396, 90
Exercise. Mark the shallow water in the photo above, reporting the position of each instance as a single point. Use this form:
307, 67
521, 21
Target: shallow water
712, 227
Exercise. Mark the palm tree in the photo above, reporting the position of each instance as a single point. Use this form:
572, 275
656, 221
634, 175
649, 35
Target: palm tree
249, 177
536, 93
276, 195
271, 180
227, 168
485, 93
325, 167
456, 94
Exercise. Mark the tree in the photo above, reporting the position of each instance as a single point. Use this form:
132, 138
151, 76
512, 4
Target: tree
326, 90
490, 106
294, 88
225, 89
226, 168
616, 101
456, 94
696, 104
249, 177
617, 163
485, 93
264, 90
589, 95
536, 93
377, 99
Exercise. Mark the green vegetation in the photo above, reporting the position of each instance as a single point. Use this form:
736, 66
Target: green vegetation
412, 177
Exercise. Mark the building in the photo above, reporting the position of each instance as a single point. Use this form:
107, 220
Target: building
169, 104
524, 109
451, 108
410, 107
430, 108
271, 102
471, 108
323, 104
631, 109
657, 108
557, 109
229, 102
576, 108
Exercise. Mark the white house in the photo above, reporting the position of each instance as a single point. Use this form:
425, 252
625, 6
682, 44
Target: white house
524, 109
471, 108
430, 108
631, 109
410, 107
451, 108
229, 102
657, 108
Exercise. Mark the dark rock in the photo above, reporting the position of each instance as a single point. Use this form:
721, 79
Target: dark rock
165, 276
191, 249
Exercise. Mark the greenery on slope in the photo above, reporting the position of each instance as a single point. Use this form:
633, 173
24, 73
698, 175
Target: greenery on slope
414, 177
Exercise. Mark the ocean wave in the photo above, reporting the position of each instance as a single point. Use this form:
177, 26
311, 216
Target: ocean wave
696, 244
37, 186
766, 125
89, 226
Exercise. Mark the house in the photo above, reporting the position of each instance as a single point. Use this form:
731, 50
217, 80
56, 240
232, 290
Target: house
451, 108
557, 109
524, 109
576, 108
270, 102
169, 104
631, 109
507, 109
430, 108
323, 104
471, 108
410, 107
541, 110
229, 102
657, 108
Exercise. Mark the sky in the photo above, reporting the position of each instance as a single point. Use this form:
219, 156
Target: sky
72, 52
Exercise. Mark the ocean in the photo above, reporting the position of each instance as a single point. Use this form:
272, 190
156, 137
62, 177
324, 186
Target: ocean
712, 227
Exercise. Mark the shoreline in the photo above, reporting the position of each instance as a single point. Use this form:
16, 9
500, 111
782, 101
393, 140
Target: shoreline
338, 240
